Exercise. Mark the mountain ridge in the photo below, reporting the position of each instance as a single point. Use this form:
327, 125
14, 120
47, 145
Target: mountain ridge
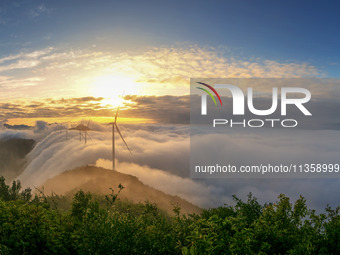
13, 153
99, 180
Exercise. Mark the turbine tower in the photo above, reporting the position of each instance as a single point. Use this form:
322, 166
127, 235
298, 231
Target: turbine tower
66, 130
83, 130
64, 126
86, 131
114, 125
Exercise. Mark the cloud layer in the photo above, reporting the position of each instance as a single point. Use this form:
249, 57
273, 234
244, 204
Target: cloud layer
154, 71
161, 159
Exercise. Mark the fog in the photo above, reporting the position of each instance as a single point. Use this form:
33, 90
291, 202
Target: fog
160, 158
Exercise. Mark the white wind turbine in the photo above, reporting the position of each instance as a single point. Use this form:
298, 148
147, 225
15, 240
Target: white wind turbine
83, 130
64, 126
114, 125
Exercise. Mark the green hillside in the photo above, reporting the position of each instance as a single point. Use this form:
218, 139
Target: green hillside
106, 225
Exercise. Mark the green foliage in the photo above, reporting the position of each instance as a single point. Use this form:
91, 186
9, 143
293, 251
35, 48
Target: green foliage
113, 197
93, 224
13, 193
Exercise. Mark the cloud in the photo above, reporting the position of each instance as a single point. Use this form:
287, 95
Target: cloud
56, 108
21, 64
275, 147
9, 58
7, 82
186, 188
145, 145
27, 55
38, 11
162, 109
9, 134
79, 100
176, 109
161, 156
175, 79
23, 60
54, 155
174, 66
153, 71
40, 126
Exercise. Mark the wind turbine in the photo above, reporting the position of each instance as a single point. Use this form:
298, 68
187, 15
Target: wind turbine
66, 127
82, 129
114, 125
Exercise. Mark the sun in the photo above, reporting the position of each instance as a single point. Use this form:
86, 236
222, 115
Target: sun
112, 87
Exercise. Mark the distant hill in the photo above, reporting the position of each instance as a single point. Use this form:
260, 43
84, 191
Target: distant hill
12, 156
17, 127
98, 180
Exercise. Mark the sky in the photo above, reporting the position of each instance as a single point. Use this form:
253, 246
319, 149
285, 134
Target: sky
280, 30
64, 61
54, 50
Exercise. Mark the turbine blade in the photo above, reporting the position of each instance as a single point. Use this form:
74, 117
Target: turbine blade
88, 134
81, 133
123, 139
116, 116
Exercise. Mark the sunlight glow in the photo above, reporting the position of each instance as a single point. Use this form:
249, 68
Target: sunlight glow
111, 88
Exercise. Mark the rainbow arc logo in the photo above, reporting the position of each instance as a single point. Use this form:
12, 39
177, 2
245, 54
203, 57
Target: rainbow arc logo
209, 93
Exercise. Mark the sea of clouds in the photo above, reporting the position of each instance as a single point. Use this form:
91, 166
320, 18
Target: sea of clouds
160, 158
